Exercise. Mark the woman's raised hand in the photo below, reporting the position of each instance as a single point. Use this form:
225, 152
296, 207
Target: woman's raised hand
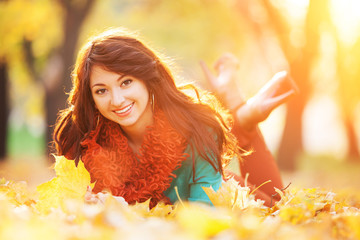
223, 84
274, 93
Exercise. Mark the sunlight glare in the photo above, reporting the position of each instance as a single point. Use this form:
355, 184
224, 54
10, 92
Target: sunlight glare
323, 131
297, 8
346, 17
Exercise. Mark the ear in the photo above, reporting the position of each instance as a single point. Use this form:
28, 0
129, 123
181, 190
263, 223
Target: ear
152, 100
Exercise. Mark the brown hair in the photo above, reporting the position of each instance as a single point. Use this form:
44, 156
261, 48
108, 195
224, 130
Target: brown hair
205, 125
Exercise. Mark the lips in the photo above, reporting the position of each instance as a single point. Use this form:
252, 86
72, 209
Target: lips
124, 111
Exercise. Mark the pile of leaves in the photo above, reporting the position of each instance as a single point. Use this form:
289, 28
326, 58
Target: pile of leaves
57, 210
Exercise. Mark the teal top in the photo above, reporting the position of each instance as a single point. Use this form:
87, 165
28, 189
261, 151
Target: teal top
205, 176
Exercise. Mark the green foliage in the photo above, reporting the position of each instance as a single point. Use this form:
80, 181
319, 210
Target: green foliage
22, 142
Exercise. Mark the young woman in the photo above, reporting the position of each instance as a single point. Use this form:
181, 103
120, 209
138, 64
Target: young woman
138, 134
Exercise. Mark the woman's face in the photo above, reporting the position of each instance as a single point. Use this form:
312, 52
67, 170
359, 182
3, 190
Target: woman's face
121, 98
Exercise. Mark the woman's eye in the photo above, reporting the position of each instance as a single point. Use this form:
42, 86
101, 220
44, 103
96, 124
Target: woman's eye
126, 82
100, 91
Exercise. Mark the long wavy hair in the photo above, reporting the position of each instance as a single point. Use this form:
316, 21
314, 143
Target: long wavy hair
202, 122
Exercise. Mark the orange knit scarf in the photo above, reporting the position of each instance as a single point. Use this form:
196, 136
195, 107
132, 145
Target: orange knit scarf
136, 177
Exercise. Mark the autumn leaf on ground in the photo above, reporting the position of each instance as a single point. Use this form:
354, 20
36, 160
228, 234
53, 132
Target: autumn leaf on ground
299, 205
160, 210
70, 183
203, 221
16, 193
232, 195
353, 222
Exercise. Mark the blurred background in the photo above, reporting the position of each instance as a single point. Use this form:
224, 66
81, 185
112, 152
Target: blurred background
315, 137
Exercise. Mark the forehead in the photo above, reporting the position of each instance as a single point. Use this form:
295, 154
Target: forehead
100, 74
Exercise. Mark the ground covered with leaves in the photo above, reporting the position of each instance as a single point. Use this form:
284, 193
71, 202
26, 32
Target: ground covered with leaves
57, 210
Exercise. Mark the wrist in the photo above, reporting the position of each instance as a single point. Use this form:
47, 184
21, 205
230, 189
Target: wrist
245, 117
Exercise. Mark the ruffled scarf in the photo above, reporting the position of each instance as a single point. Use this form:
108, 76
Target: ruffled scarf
136, 177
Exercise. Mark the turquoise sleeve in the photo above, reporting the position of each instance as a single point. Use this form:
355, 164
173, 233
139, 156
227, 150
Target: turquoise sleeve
205, 176
187, 188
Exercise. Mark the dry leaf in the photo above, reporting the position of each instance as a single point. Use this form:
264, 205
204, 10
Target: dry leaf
70, 183
232, 195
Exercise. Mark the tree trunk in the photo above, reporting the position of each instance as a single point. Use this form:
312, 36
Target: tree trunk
56, 94
348, 76
3, 109
353, 151
300, 62
291, 142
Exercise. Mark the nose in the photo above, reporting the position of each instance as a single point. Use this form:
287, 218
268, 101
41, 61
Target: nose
117, 98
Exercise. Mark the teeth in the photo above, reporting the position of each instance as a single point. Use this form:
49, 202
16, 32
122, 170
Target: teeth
125, 109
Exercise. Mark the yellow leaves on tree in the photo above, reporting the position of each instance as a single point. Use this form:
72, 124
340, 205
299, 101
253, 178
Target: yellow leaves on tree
70, 184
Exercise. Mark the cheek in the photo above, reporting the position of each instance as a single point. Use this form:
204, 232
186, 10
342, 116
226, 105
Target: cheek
146, 98
145, 95
100, 103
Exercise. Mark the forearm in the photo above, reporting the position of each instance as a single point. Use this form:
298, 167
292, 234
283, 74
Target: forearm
260, 164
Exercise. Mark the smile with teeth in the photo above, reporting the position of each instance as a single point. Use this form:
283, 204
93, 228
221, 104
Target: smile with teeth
124, 110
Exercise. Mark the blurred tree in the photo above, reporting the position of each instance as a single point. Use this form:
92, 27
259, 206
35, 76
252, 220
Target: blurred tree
36, 43
301, 47
348, 62
345, 31
75, 13
18, 29
56, 78
301, 59
3, 108
47, 50
186, 30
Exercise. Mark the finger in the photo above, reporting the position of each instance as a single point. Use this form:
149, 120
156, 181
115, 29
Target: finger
281, 74
87, 196
121, 200
220, 62
279, 84
228, 59
90, 198
102, 197
273, 86
208, 75
274, 102
286, 79
293, 84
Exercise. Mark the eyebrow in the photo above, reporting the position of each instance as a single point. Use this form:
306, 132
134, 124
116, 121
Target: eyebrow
103, 84
97, 84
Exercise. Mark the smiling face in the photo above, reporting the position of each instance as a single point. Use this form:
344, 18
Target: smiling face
121, 98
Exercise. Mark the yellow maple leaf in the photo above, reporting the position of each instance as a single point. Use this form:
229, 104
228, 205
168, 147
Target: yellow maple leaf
70, 183
49, 196
232, 195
